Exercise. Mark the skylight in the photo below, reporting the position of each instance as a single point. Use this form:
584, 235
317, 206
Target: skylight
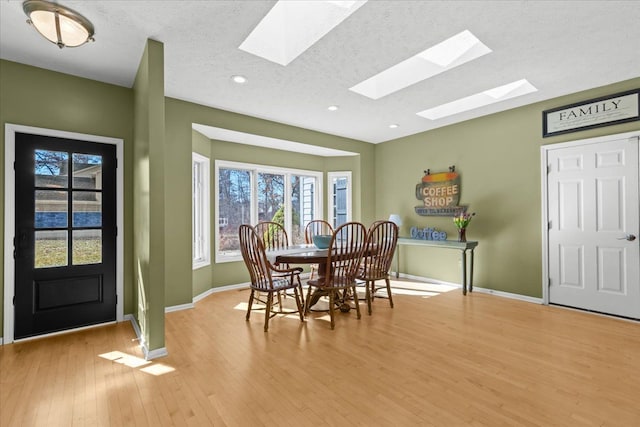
456, 50
491, 96
291, 27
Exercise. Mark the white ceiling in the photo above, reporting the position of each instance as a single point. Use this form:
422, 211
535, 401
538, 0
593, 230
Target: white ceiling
560, 47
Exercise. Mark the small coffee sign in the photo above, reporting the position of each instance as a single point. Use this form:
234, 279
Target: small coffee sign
439, 193
619, 108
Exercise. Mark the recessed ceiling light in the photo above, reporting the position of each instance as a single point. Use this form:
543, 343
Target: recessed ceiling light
394, 126
239, 79
333, 108
291, 27
491, 96
456, 50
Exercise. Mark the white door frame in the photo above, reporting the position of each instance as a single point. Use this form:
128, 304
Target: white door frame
544, 161
9, 215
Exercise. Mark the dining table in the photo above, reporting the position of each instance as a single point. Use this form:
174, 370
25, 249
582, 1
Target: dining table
305, 254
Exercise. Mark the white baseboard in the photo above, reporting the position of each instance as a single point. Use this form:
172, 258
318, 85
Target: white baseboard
148, 354
178, 307
479, 290
503, 294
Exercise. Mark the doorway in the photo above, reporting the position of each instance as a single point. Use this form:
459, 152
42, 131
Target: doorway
591, 220
63, 207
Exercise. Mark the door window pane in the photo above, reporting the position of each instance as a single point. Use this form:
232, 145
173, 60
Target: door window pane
234, 206
87, 171
50, 248
51, 169
87, 209
87, 247
51, 209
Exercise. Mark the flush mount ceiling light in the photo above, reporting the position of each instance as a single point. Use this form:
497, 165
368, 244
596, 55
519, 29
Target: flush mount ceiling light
58, 24
454, 51
291, 27
491, 96
332, 108
239, 79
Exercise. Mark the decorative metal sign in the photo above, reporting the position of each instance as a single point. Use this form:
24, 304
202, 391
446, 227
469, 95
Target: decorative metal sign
427, 233
439, 193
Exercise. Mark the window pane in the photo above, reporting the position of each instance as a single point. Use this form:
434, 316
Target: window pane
271, 197
339, 201
303, 209
87, 209
87, 247
234, 206
50, 249
51, 169
51, 209
87, 171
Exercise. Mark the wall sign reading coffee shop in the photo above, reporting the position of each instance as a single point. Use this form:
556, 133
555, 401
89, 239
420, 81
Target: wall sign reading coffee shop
439, 193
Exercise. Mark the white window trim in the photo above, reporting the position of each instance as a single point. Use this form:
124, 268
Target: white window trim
205, 212
254, 169
330, 177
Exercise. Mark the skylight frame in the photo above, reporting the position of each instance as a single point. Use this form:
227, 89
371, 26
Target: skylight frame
446, 55
292, 27
481, 99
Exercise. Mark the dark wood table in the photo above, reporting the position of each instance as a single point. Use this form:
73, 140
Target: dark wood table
308, 254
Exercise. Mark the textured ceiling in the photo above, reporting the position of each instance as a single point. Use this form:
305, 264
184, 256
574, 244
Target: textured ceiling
560, 47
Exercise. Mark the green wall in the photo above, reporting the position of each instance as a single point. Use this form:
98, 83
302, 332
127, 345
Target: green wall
149, 196
46, 99
498, 158
182, 283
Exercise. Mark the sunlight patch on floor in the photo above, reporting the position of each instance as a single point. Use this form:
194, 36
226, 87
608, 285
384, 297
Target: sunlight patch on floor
137, 362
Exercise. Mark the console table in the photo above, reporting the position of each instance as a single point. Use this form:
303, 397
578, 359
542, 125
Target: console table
463, 247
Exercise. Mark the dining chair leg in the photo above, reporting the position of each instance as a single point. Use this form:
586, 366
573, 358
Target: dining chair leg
389, 291
299, 303
355, 300
331, 302
307, 307
301, 290
267, 311
250, 304
368, 296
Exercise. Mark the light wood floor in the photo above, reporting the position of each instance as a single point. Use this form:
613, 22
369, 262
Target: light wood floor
438, 359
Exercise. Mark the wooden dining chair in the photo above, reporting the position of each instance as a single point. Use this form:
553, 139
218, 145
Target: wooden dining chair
274, 236
316, 227
345, 252
267, 278
382, 239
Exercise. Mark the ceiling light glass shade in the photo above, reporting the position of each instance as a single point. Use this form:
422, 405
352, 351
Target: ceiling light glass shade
58, 24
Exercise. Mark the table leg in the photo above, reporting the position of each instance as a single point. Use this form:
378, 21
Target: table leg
397, 262
471, 273
464, 271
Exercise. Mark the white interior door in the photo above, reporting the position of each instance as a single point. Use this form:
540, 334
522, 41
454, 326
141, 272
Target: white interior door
593, 209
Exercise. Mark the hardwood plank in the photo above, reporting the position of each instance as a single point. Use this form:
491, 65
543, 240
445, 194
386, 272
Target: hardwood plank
436, 359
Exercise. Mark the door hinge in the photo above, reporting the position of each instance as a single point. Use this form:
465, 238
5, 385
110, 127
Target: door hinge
549, 281
550, 225
14, 300
548, 169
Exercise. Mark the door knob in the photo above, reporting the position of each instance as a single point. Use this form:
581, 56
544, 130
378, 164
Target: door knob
629, 237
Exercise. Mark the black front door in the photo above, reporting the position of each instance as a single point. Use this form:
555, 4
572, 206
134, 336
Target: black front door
65, 237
